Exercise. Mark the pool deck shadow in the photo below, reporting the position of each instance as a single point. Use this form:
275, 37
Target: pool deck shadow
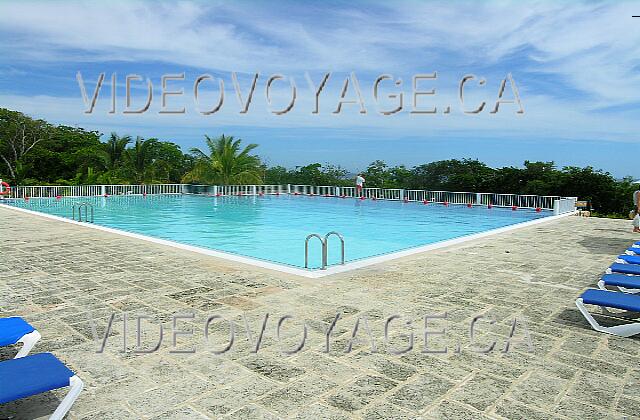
63, 278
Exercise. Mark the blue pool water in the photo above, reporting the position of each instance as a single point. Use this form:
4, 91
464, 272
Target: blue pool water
274, 228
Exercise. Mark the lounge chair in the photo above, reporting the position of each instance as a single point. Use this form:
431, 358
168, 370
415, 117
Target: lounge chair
634, 250
626, 284
608, 299
624, 268
35, 374
15, 330
628, 259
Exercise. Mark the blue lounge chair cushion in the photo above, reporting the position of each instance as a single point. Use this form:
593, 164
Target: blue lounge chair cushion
12, 329
634, 249
622, 280
32, 375
610, 299
631, 259
625, 268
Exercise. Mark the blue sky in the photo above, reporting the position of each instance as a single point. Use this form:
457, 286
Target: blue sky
576, 66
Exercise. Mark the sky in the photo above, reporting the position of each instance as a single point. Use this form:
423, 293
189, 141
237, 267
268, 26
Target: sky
574, 67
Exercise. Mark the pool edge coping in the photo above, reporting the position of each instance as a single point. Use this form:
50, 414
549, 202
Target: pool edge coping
312, 274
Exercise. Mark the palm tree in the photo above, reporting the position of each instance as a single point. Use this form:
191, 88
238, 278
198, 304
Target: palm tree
227, 163
115, 149
140, 160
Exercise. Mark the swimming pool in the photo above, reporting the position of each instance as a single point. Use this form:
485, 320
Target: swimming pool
273, 228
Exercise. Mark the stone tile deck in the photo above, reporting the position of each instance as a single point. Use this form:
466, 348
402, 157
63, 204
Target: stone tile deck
60, 277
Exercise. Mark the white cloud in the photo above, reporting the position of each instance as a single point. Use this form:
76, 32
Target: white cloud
586, 46
593, 46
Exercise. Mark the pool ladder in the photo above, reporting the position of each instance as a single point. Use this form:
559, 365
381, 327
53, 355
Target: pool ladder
325, 254
79, 207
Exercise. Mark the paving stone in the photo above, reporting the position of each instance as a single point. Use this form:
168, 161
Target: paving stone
165, 398
388, 411
596, 389
443, 365
575, 409
362, 391
320, 411
387, 365
515, 410
115, 413
272, 368
296, 395
481, 391
631, 387
234, 396
538, 390
250, 412
421, 391
602, 366
335, 370
180, 414
452, 410
628, 406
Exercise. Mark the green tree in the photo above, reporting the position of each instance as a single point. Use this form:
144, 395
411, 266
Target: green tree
603, 191
115, 149
378, 175
227, 163
277, 175
400, 176
65, 155
19, 135
318, 174
169, 163
452, 175
151, 160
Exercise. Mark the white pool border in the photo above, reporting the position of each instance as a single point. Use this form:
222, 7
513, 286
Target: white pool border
312, 274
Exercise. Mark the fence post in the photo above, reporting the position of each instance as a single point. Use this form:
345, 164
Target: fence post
337, 192
253, 190
103, 190
288, 188
402, 194
556, 207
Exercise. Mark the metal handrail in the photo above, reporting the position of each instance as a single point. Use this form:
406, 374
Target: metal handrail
325, 249
326, 241
79, 206
306, 250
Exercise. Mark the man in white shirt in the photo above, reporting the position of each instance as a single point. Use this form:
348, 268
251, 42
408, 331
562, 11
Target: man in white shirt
359, 183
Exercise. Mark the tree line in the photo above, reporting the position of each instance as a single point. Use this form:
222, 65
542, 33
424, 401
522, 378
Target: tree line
35, 152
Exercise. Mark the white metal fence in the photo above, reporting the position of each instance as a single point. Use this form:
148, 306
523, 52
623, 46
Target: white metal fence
558, 204
44, 191
564, 205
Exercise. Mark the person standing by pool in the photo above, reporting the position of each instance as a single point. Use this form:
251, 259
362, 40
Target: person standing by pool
636, 209
359, 183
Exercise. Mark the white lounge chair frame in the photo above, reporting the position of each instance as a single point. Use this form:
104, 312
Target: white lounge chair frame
626, 330
76, 385
603, 286
622, 289
28, 341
